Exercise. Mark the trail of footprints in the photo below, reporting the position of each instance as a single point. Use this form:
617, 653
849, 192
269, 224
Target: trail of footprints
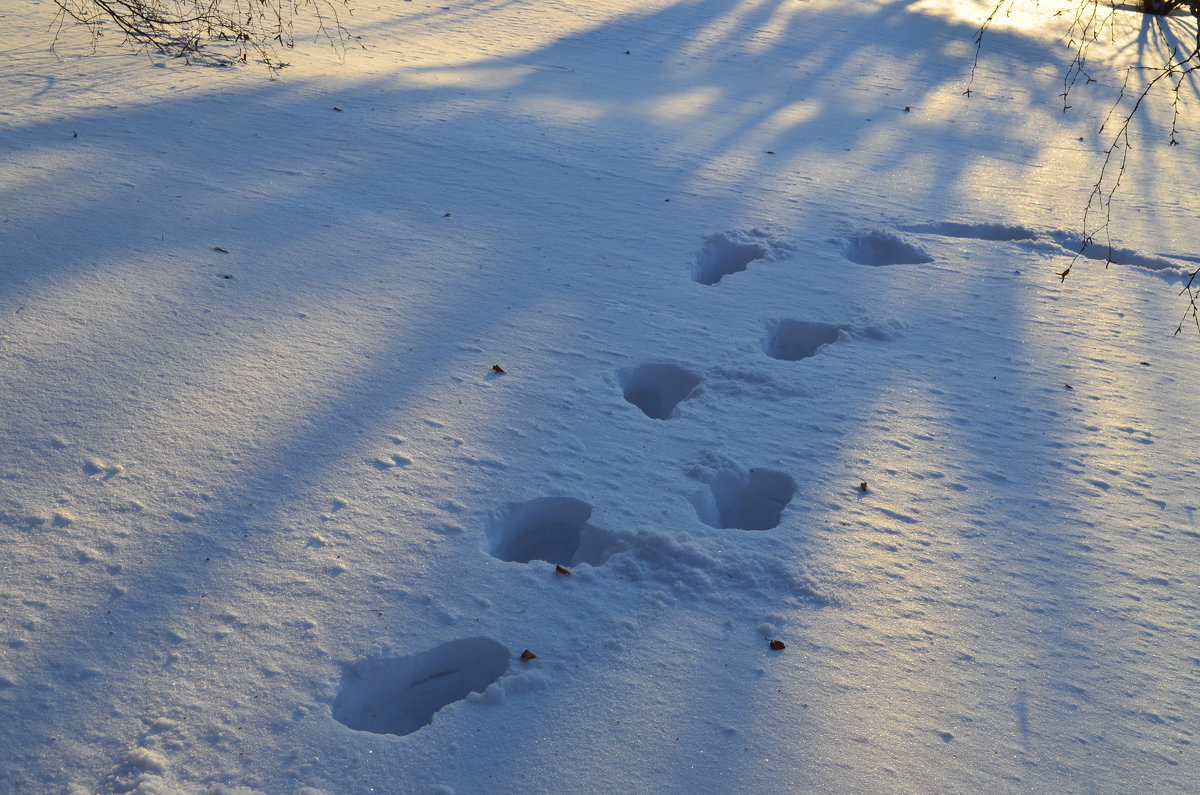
401, 694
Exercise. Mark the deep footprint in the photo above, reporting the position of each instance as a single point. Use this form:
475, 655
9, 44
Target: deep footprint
553, 529
657, 389
751, 500
398, 695
793, 340
724, 253
878, 248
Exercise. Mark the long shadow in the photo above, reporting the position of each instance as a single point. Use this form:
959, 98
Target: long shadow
748, 120
186, 564
783, 114
326, 161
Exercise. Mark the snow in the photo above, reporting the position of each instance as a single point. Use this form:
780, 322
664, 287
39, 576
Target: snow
785, 357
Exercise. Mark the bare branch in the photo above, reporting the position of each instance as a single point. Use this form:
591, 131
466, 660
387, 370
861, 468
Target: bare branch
1087, 25
216, 32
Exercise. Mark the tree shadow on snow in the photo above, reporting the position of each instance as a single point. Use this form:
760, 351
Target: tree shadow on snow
339, 200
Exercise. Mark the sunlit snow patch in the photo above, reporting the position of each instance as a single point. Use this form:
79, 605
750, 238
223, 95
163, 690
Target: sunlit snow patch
553, 529
657, 389
752, 500
876, 247
398, 695
793, 340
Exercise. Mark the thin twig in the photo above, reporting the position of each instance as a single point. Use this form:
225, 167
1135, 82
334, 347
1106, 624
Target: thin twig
218, 32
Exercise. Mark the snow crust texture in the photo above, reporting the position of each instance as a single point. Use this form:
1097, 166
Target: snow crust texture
399, 695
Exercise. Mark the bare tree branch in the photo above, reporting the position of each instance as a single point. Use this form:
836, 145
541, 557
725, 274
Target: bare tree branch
1089, 21
217, 32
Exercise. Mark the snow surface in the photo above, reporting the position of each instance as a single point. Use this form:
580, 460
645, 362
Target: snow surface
785, 359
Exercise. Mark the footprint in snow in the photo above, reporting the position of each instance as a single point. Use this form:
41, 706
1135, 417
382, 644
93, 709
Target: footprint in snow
553, 529
793, 340
745, 500
724, 253
399, 695
878, 248
657, 389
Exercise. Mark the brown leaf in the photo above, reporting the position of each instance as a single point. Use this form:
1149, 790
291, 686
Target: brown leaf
1068, 386
862, 486
777, 645
218, 248
498, 369
562, 570
527, 655
335, 107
